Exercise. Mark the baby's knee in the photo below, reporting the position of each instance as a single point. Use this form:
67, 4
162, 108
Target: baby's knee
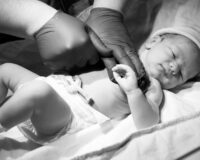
34, 91
5, 67
36, 94
4, 70
40, 90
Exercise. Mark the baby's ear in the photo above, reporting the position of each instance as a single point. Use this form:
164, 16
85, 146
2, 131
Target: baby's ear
153, 41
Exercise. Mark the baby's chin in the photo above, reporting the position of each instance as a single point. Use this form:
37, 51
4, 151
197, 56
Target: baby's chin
158, 76
166, 83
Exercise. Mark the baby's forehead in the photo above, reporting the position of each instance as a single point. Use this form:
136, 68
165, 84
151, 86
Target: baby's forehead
178, 43
181, 44
165, 39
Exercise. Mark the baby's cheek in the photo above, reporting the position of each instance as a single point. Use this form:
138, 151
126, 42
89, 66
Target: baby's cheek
168, 83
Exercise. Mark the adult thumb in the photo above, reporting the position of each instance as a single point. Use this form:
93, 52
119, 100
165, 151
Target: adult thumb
99, 45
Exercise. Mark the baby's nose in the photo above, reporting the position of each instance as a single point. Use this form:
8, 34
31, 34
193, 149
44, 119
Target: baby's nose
173, 68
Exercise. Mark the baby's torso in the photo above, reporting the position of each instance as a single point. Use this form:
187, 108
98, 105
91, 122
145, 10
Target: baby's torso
108, 97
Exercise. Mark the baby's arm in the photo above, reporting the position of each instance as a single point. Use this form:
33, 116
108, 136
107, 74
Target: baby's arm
143, 109
154, 95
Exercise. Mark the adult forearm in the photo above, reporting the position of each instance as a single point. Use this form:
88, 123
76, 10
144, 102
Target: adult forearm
119, 5
143, 113
23, 17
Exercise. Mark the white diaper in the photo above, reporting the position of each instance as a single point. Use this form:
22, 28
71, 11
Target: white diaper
69, 88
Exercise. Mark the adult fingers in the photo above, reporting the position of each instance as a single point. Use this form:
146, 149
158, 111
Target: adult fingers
99, 45
122, 58
109, 64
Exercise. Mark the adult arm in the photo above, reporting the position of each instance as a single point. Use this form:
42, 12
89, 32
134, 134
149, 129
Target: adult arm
107, 20
23, 18
119, 5
64, 42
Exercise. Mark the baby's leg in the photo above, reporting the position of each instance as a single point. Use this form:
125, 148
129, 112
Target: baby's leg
51, 112
11, 76
38, 101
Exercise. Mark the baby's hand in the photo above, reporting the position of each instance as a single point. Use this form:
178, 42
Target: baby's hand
125, 77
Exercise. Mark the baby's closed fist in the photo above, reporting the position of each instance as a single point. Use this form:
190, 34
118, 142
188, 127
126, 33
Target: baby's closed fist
125, 77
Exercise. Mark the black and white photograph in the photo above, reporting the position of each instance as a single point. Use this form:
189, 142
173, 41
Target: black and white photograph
99, 79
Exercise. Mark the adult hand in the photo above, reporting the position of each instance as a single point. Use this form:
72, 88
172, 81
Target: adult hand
64, 43
109, 26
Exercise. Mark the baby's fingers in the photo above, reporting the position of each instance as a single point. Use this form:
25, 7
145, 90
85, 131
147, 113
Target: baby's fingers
118, 78
124, 71
120, 73
116, 75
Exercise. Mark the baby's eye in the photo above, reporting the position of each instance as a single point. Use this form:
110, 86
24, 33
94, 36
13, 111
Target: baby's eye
172, 52
180, 74
174, 56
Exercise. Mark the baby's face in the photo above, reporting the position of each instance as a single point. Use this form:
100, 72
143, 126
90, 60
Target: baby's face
172, 61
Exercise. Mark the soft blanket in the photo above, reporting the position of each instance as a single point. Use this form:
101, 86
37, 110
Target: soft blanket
113, 136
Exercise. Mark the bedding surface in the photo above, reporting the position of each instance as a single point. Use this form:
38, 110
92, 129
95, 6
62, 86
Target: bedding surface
181, 109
